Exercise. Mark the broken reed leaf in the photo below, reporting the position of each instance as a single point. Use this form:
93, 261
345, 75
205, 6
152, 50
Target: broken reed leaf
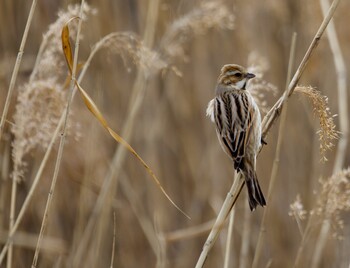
96, 112
66, 47
41, 100
49, 57
67, 50
92, 107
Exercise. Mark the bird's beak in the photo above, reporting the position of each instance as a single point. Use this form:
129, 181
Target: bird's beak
250, 75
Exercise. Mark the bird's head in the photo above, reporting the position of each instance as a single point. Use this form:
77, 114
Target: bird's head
235, 75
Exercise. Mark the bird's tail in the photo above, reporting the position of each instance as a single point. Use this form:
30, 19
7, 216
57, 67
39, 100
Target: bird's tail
256, 197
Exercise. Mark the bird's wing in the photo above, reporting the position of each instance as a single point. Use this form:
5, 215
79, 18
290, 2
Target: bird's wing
210, 110
233, 116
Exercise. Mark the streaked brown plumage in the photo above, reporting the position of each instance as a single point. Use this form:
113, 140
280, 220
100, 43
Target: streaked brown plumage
238, 126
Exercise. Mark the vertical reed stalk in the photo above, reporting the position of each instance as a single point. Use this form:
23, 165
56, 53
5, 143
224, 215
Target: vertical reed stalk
247, 224
321, 241
110, 183
16, 68
343, 124
12, 219
136, 206
31, 192
229, 240
43, 162
4, 176
62, 141
114, 237
305, 237
275, 166
46, 156
4, 116
340, 67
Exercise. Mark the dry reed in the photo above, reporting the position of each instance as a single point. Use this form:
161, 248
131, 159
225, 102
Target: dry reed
327, 133
332, 200
133, 47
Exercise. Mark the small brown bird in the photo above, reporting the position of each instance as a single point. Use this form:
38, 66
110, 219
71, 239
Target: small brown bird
238, 126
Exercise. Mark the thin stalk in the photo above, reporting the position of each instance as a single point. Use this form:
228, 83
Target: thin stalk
162, 246
4, 116
4, 176
43, 162
303, 241
275, 166
271, 116
343, 124
114, 237
110, 183
243, 256
62, 142
321, 241
16, 68
139, 211
12, 219
341, 72
190, 232
30, 193
267, 123
230, 200
228, 250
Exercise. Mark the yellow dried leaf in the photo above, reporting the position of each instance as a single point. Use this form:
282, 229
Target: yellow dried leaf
149, 170
92, 107
67, 50
96, 112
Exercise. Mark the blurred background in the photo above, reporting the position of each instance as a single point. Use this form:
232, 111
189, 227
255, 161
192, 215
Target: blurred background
153, 84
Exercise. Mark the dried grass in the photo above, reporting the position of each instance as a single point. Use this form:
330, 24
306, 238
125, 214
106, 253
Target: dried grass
50, 62
297, 209
334, 199
209, 15
41, 101
38, 110
327, 133
181, 146
129, 45
259, 87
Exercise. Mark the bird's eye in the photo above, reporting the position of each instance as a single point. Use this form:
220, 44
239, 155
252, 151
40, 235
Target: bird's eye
237, 75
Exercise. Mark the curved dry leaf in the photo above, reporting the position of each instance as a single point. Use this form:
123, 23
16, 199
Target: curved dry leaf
96, 112
67, 47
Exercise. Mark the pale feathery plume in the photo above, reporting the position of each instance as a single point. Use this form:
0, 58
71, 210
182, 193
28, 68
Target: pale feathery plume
41, 101
259, 87
209, 15
327, 132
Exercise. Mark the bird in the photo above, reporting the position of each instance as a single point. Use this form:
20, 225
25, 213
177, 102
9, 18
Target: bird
238, 126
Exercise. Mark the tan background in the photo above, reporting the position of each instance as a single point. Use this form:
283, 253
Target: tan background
172, 134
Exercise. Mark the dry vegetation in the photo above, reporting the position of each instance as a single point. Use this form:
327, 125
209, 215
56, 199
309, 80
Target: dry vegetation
151, 68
